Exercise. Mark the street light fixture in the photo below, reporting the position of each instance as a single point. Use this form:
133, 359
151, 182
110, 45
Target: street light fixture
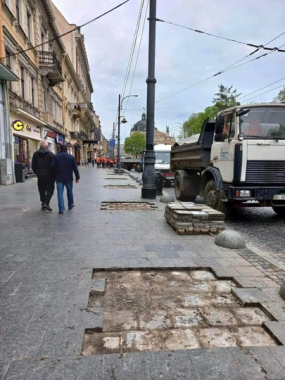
119, 124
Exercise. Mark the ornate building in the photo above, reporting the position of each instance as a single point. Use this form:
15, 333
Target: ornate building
159, 137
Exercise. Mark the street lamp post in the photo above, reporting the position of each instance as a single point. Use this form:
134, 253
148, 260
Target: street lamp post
149, 174
119, 125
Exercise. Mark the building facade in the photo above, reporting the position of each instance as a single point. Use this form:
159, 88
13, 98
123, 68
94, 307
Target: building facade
159, 137
52, 97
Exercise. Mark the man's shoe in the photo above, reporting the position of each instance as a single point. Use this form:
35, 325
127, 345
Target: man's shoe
48, 207
61, 212
44, 206
71, 207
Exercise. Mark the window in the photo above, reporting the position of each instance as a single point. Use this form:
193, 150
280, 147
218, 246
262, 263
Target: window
8, 64
18, 11
229, 127
33, 91
30, 25
22, 77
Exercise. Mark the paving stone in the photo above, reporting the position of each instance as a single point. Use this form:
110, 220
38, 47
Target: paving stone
125, 367
279, 354
99, 286
256, 282
60, 343
169, 365
277, 329
246, 364
215, 364
269, 365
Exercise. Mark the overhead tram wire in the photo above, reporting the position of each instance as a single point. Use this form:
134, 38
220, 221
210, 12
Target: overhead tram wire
131, 55
262, 88
70, 31
132, 50
264, 93
221, 72
224, 38
138, 53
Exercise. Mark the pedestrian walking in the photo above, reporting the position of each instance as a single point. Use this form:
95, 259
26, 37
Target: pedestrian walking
98, 161
41, 162
65, 165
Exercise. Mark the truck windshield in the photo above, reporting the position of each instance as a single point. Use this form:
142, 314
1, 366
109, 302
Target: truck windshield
263, 123
162, 157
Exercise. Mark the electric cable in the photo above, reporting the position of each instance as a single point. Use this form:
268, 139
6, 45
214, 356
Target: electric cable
245, 96
224, 38
138, 53
64, 34
218, 73
264, 93
132, 50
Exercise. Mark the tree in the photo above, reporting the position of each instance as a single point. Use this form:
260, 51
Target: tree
135, 144
225, 98
280, 97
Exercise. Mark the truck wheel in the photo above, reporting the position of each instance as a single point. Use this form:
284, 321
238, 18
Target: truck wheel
179, 193
279, 210
212, 197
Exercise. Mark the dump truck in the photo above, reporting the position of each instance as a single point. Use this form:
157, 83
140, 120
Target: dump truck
238, 160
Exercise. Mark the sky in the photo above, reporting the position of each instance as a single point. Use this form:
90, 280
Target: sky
183, 57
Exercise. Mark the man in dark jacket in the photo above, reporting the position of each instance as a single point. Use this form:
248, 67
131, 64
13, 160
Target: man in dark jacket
65, 165
41, 161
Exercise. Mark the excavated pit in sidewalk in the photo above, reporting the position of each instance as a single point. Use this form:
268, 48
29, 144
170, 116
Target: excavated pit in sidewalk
154, 310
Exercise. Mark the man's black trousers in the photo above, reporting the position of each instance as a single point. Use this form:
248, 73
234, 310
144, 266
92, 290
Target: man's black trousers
46, 189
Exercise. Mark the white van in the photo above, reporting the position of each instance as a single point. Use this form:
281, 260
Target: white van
162, 162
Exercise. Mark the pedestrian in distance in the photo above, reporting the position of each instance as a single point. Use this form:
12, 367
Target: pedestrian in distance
98, 161
65, 165
41, 165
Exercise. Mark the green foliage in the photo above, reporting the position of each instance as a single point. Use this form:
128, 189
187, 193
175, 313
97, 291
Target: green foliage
280, 97
135, 144
225, 98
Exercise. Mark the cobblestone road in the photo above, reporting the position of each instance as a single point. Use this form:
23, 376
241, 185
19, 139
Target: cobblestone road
263, 228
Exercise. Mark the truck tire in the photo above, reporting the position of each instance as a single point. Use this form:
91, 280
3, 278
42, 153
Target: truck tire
279, 210
179, 192
212, 197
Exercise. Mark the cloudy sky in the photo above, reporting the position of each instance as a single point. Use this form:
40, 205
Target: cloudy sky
183, 57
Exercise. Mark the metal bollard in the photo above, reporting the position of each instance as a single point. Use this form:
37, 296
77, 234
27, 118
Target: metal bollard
158, 184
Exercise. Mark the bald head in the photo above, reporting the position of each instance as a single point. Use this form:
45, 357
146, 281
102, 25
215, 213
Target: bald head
43, 144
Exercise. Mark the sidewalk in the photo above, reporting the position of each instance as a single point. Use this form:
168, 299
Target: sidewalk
47, 266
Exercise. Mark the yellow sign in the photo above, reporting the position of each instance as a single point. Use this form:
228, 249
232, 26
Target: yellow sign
18, 125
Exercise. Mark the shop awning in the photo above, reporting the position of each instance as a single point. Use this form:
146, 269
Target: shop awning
7, 74
90, 142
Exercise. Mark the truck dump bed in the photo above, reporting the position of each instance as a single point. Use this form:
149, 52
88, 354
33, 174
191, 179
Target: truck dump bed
194, 155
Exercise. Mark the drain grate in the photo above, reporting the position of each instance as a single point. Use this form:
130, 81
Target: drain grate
120, 187
128, 206
153, 310
12, 210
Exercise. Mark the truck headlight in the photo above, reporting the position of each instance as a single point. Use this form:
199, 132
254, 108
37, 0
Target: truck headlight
243, 193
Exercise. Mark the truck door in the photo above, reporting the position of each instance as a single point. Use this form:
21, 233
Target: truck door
222, 153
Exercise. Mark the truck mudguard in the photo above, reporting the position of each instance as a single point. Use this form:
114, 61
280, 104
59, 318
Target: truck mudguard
211, 173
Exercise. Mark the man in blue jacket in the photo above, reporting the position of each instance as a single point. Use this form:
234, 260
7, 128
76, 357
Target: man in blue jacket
65, 165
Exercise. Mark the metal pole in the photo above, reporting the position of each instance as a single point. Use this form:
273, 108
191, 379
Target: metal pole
113, 137
119, 130
149, 175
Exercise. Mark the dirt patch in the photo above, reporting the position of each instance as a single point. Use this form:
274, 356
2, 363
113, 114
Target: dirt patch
153, 310
127, 206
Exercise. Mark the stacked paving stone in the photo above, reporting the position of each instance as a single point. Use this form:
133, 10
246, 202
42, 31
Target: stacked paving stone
189, 218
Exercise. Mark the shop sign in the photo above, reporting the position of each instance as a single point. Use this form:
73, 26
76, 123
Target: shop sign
51, 134
18, 125
59, 139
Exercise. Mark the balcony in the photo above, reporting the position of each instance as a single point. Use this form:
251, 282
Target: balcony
76, 112
50, 67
